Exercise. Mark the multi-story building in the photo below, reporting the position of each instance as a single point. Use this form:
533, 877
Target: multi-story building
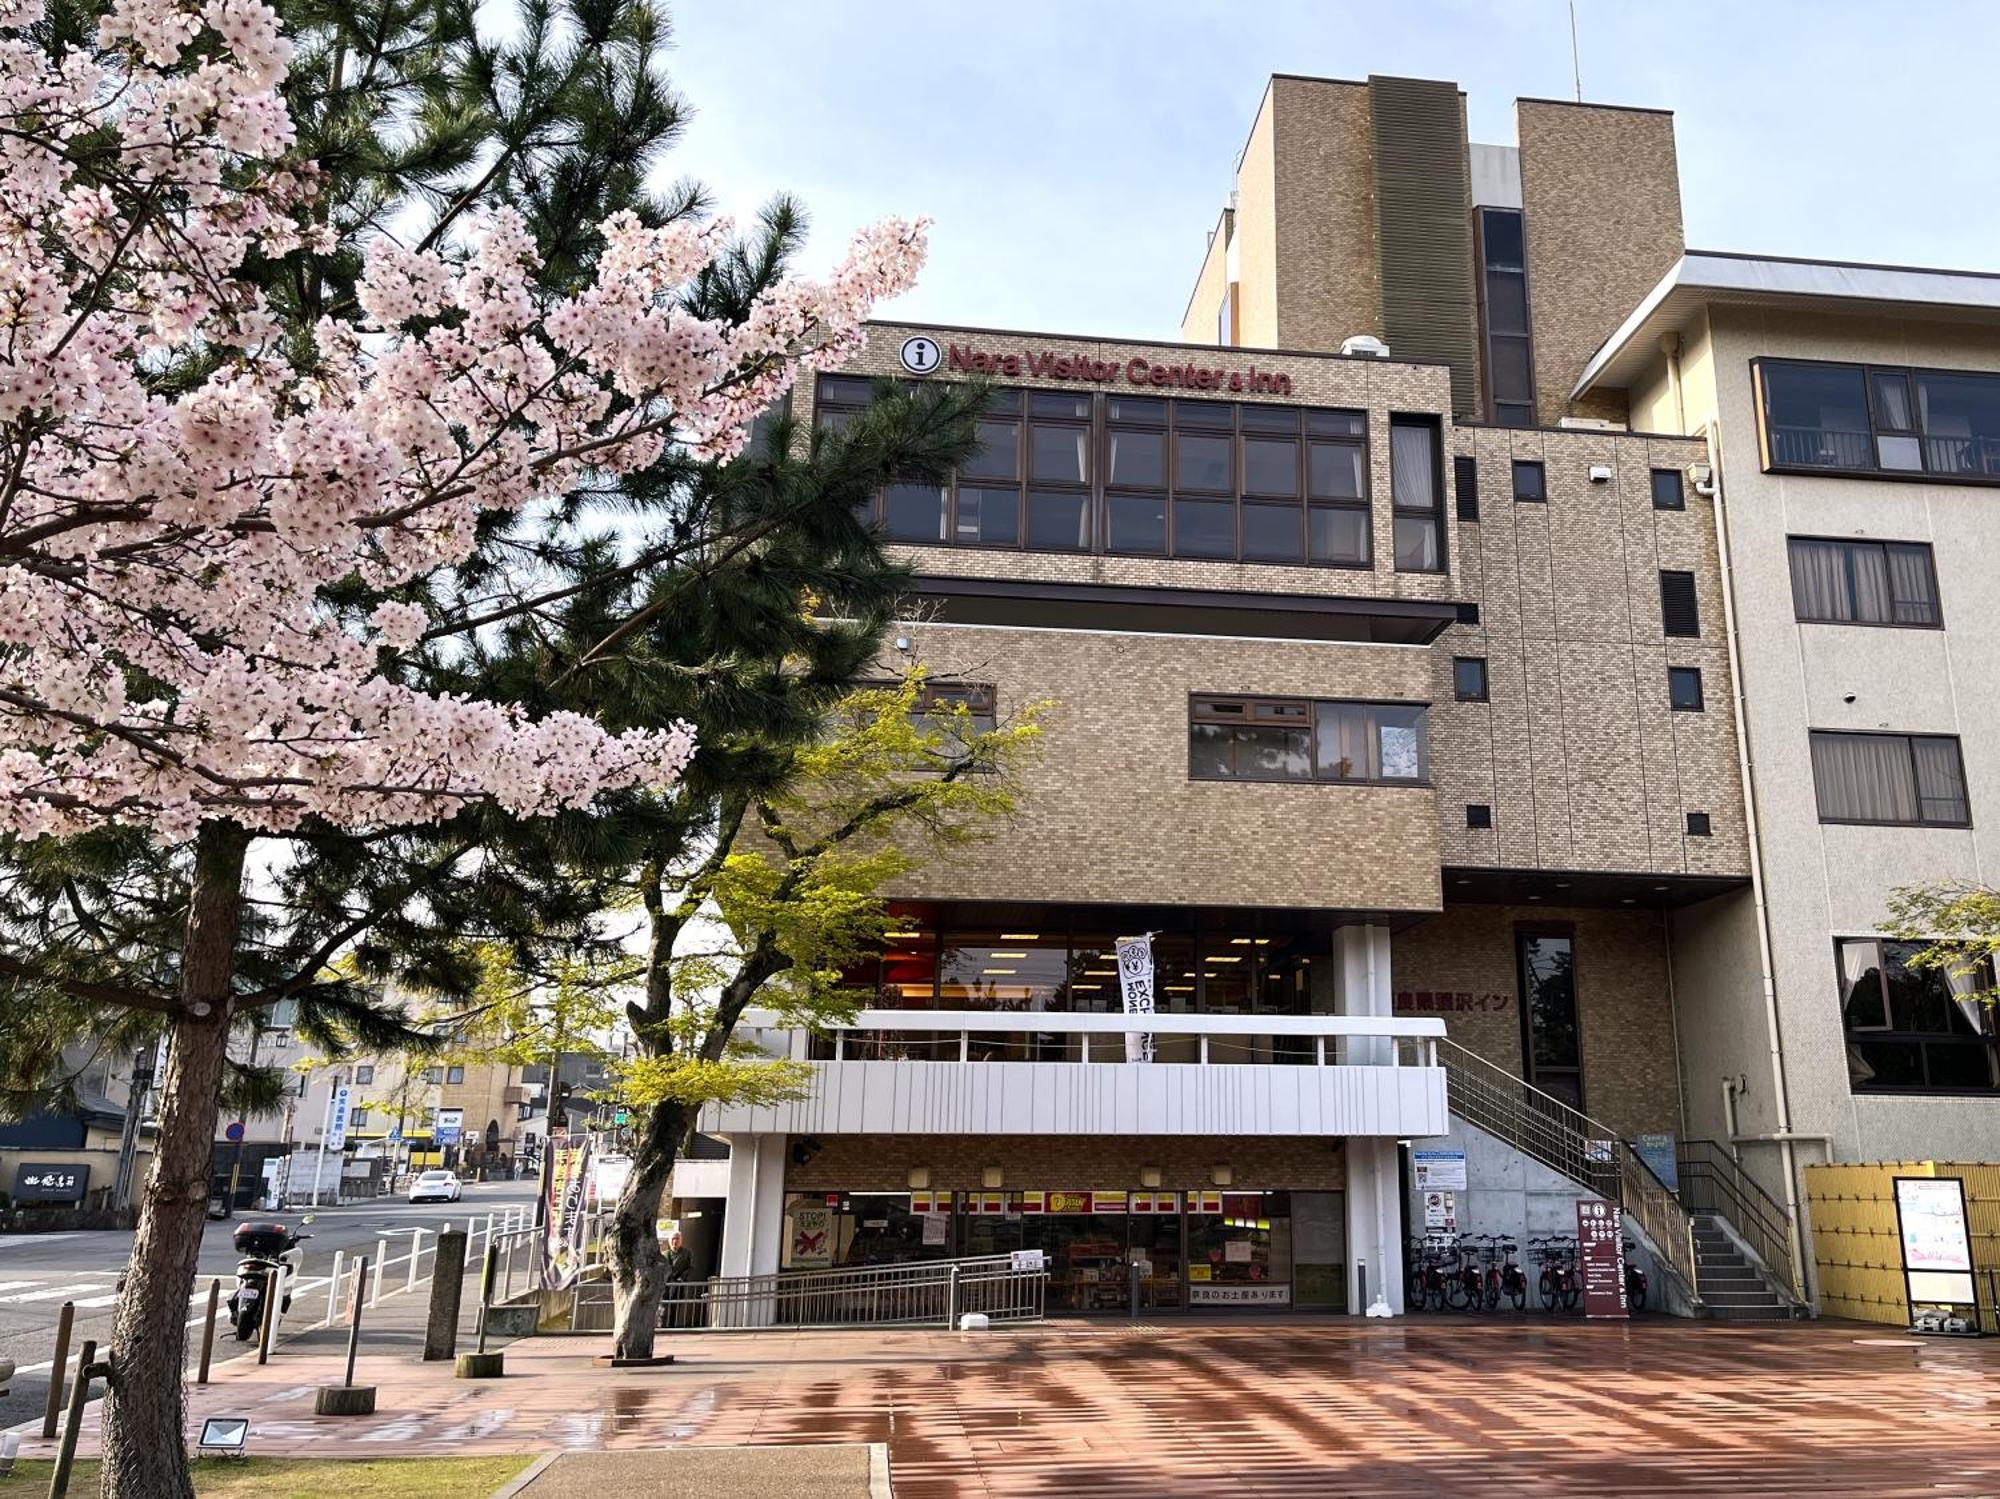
1505, 660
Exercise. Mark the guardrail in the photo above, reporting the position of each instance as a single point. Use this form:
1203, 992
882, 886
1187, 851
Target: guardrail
926, 1293
1713, 1181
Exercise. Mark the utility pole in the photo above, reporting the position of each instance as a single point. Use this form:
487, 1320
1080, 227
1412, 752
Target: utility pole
128, 1140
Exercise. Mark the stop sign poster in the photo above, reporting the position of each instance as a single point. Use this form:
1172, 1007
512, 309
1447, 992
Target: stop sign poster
1600, 1258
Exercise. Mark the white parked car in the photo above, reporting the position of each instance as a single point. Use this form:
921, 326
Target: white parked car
434, 1186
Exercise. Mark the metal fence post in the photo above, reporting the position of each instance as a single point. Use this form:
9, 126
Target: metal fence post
416, 1248
79, 1396
208, 1331
951, 1298
333, 1284
381, 1264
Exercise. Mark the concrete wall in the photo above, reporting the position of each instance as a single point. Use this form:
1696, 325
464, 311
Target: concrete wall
1199, 324
1827, 881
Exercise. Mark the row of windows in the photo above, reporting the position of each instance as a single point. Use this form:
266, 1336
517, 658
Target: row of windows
1295, 739
1875, 419
1914, 1029
1470, 684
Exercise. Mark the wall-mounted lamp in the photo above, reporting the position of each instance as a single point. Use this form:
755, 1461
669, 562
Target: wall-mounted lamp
1149, 1176
992, 1176
920, 1177
1221, 1175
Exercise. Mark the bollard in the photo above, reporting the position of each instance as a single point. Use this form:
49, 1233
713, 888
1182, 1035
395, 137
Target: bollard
79, 1396
64, 1320
267, 1323
208, 1330
333, 1285
1133, 1289
381, 1265
481, 1364
447, 1293
416, 1248
348, 1398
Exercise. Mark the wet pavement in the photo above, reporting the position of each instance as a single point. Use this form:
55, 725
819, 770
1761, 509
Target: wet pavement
1436, 1406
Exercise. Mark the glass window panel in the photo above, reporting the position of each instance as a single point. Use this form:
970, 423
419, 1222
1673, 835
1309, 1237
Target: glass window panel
1531, 480
1267, 753
1961, 422
1513, 371
1210, 414
1900, 454
986, 971
1003, 400
1268, 418
1862, 1005
1203, 463
1684, 689
1501, 239
915, 512
1417, 544
1334, 471
1337, 423
1135, 522
1959, 1065
845, 390
1506, 301
1271, 466
1401, 733
1820, 589
1058, 403
989, 516
1135, 409
1864, 778
999, 455
1204, 528
1885, 1064
1136, 459
1338, 534
1940, 781
1413, 469
1468, 679
1817, 416
1346, 748
1548, 977
1892, 401
1059, 455
1274, 533
835, 418
1668, 492
1211, 751
1920, 999
1913, 585
1513, 414
1058, 521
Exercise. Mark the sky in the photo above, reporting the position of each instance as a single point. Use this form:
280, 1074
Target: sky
1074, 156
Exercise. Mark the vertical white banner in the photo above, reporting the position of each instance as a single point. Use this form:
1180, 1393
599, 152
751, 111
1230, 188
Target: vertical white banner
336, 1126
1135, 980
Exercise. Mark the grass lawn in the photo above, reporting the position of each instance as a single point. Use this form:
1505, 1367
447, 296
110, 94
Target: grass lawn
306, 1478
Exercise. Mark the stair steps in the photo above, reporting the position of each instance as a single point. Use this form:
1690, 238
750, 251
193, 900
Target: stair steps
1732, 1288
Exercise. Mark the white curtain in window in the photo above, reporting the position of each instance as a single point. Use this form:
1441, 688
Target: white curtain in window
1910, 582
1940, 779
1864, 777
1861, 986
1819, 581
1413, 465
1871, 584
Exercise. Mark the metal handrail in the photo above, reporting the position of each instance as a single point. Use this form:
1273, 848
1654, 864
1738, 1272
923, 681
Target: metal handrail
1567, 1140
1712, 1180
923, 1293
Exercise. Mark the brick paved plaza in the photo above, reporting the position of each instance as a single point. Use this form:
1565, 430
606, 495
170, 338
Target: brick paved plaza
1252, 1407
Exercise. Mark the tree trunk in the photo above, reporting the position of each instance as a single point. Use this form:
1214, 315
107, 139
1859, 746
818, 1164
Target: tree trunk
638, 1270
145, 1438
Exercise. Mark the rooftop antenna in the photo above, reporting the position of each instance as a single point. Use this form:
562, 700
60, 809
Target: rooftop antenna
1575, 61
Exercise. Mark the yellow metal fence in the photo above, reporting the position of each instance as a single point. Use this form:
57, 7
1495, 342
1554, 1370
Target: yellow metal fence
1856, 1249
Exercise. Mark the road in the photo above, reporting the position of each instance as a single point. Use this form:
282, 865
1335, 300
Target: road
39, 1272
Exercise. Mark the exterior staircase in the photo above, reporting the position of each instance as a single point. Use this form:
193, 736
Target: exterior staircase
1732, 1287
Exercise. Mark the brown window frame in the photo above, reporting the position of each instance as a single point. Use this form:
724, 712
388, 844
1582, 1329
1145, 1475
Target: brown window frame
1774, 463
1240, 709
1889, 1033
1348, 431
1916, 782
1886, 547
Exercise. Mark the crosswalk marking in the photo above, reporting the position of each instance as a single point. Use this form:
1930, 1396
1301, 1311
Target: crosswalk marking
9, 1285
51, 1292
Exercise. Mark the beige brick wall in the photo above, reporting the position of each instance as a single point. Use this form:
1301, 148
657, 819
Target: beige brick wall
1038, 1163
1329, 280
1257, 232
1577, 753
1624, 998
1109, 813
1199, 323
1601, 191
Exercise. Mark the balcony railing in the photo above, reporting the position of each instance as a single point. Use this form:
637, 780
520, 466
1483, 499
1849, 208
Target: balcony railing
1897, 453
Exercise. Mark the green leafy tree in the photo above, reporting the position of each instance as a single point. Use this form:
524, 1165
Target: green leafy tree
780, 895
1956, 925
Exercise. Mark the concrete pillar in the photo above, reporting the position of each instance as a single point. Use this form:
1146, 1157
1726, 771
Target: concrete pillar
1362, 984
753, 1224
1374, 1222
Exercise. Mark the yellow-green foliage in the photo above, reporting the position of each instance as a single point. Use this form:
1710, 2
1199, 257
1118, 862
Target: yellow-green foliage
1959, 927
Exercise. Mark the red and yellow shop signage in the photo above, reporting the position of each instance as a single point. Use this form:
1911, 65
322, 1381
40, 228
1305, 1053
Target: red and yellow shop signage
930, 1202
1204, 1202
1156, 1202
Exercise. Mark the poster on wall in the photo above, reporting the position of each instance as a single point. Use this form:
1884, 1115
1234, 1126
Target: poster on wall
1238, 1294
1937, 1248
1441, 1213
1600, 1254
812, 1238
1661, 1156
1438, 1170
563, 1246
1135, 981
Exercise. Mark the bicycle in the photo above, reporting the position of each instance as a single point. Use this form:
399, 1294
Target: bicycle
1429, 1283
1635, 1281
1558, 1285
1503, 1277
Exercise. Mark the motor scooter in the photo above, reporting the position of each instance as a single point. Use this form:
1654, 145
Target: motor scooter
266, 1251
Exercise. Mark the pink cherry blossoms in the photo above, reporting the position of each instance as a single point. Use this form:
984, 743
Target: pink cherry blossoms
167, 652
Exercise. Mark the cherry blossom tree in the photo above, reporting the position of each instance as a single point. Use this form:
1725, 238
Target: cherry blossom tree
187, 496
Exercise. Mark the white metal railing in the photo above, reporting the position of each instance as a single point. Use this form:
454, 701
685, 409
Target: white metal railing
1092, 1037
934, 1292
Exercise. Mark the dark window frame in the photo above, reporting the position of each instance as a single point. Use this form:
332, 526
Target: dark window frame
1485, 692
1523, 933
1540, 469
1889, 1034
1700, 703
1761, 365
1693, 603
1700, 825
1479, 816
1916, 784
1851, 544
1433, 513
1483, 269
1349, 431
1654, 476
1201, 702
